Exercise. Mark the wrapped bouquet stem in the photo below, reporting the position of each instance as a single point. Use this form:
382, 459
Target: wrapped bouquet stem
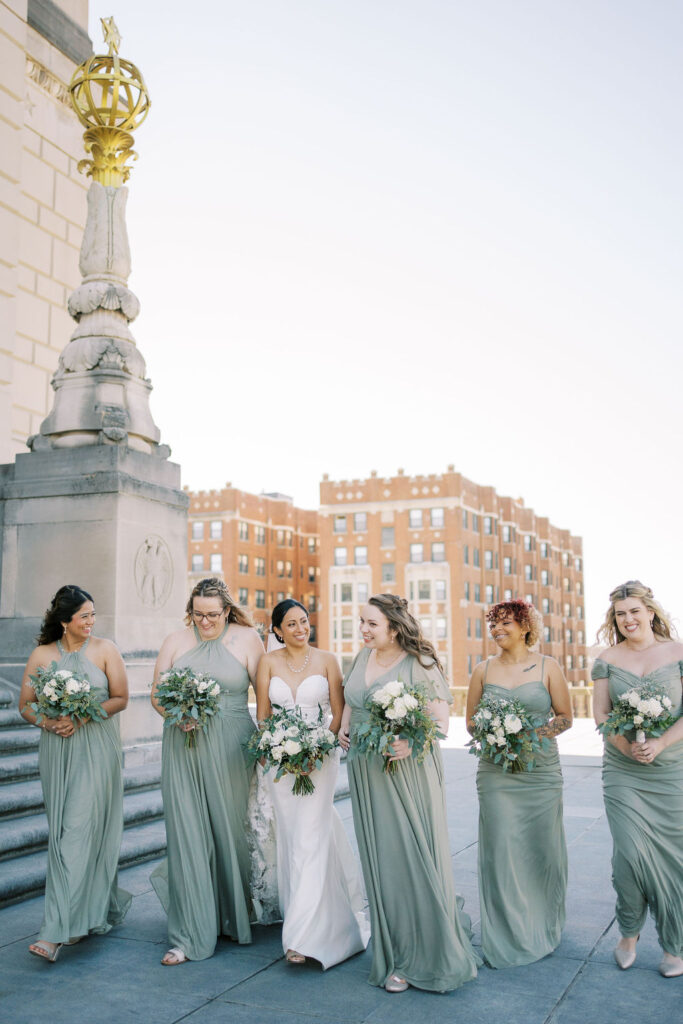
397, 711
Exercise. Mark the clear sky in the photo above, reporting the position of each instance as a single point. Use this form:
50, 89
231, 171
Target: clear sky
374, 233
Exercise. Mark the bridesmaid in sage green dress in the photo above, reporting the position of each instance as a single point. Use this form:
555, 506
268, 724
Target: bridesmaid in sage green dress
643, 782
420, 936
204, 882
80, 772
522, 849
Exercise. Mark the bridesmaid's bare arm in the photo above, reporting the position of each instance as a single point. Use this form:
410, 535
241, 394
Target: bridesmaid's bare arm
474, 694
602, 705
263, 706
115, 671
561, 702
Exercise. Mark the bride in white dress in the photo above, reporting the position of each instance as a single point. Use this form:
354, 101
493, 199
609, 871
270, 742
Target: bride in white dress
319, 883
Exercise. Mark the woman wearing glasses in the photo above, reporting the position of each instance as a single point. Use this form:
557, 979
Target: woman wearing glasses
204, 882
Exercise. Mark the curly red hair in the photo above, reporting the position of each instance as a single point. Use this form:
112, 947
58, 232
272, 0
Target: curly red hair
523, 613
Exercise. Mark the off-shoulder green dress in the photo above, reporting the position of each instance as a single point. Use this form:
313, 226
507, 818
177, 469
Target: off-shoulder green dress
418, 928
522, 847
203, 883
644, 804
83, 792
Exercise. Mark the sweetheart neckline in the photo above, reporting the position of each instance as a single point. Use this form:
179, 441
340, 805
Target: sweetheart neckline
315, 675
511, 689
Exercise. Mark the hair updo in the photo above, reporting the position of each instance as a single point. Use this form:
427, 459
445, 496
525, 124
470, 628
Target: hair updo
524, 614
409, 634
212, 586
63, 607
662, 625
279, 612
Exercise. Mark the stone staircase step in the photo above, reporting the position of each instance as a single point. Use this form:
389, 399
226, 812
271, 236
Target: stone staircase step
20, 798
12, 740
11, 719
19, 766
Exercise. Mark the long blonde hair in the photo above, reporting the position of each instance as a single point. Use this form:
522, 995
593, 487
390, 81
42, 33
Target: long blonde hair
408, 632
212, 586
662, 626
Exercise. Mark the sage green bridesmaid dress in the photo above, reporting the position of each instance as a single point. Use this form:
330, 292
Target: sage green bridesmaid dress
522, 849
83, 792
203, 883
418, 928
644, 804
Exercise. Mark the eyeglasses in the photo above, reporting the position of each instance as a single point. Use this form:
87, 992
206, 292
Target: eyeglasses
210, 617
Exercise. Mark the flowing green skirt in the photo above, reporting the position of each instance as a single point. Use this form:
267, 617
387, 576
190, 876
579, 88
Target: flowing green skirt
522, 862
83, 792
418, 928
204, 882
644, 804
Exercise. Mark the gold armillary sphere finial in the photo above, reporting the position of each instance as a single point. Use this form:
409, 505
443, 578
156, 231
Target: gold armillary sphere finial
110, 98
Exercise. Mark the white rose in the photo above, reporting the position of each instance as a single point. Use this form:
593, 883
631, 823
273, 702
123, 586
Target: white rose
85, 686
637, 719
278, 736
410, 701
49, 690
202, 686
495, 722
512, 724
490, 738
73, 686
394, 689
391, 714
656, 708
500, 738
63, 673
292, 747
486, 713
215, 690
53, 700
291, 731
400, 709
277, 753
266, 737
642, 706
666, 702
632, 697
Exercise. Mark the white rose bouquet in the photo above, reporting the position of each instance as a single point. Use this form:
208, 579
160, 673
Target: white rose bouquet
188, 697
293, 746
397, 711
62, 692
643, 710
505, 733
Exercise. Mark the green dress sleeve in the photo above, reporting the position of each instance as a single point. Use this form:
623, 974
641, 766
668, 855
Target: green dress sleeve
600, 669
432, 681
351, 668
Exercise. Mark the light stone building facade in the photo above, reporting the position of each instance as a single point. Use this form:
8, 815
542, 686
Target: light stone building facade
42, 204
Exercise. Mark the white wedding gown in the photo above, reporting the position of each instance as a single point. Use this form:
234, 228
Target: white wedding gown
320, 889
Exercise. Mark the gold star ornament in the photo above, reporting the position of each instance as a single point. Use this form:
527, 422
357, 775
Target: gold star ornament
112, 36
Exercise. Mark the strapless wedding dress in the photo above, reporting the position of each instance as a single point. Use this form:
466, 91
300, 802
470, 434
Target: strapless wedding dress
320, 889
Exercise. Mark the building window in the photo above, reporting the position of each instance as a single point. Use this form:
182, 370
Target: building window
362, 593
465, 519
569, 636
579, 611
467, 590
580, 638
288, 569
582, 661
260, 534
216, 562
347, 593
340, 556
507, 534
477, 629
577, 564
198, 531
311, 574
198, 563
507, 566
567, 610
565, 558
260, 566
545, 606
545, 578
347, 629
388, 572
387, 536
527, 542
477, 593
570, 662
311, 602
280, 567
242, 530
415, 552
311, 545
288, 539
426, 625
243, 563
280, 596
424, 590
436, 518
475, 522
469, 664
440, 590
260, 599
489, 592
243, 596
507, 595
488, 526
475, 557
360, 522
438, 552
545, 550
360, 555
469, 627
528, 573
340, 524
466, 554
546, 634
488, 559
415, 518
280, 538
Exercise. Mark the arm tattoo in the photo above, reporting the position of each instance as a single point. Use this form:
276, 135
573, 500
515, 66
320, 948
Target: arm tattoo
560, 723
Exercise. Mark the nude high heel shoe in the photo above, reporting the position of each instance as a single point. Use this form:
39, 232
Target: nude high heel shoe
625, 958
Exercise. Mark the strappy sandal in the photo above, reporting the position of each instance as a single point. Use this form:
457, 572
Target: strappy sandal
292, 957
395, 984
45, 953
179, 957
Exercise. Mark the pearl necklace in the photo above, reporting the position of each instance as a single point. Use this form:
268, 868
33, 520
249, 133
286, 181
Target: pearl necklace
297, 670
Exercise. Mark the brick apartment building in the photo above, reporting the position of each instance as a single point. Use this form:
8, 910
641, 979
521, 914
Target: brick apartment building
260, 544
452, 548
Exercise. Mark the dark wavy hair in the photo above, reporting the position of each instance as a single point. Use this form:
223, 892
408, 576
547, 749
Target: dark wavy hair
212, 586
63, 607
279, 612
408, 632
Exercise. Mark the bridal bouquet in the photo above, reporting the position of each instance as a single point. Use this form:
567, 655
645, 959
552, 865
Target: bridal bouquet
397, 711
188, 696
293, 746
643, 709
62, 692
505, 733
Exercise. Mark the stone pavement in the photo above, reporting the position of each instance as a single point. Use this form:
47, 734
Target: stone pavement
117, 979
